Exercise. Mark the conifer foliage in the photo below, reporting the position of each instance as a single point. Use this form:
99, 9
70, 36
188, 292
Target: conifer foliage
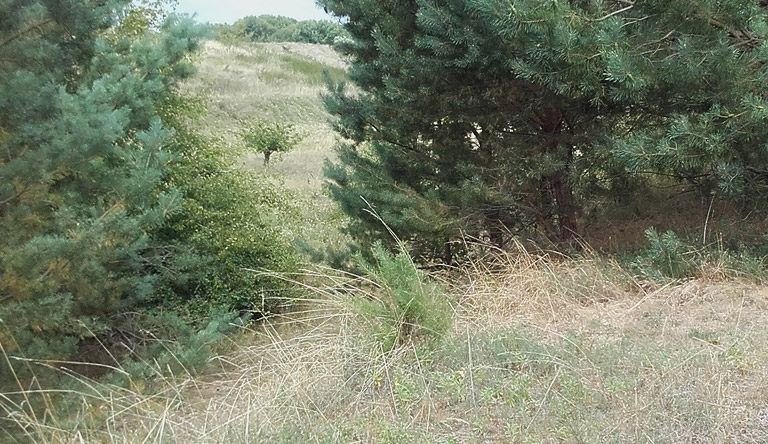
498, 117
118, 219
81, 158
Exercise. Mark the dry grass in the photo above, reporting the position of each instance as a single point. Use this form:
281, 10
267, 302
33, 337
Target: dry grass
274, 82
684, 362
542, 350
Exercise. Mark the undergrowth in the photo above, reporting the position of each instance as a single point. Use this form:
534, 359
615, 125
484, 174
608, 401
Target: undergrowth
541, 349
405, 305
67, 400
667, 257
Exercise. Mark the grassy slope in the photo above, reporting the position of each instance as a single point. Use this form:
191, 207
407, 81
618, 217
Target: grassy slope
278, 82
542, 349
274, 82
540, 352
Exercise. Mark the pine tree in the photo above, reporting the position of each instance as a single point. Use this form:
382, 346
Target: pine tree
81, 159
473, 115
707, 64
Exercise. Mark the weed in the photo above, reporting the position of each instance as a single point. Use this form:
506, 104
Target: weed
405, 389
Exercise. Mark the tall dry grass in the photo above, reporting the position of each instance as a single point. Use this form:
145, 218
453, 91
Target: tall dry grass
542, 349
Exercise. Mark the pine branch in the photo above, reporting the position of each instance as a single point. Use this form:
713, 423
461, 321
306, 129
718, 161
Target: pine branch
20, 33
388, 140
14, 197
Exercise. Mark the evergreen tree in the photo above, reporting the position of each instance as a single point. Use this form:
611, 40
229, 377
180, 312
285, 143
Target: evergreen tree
707, 65
473, 115
81, 158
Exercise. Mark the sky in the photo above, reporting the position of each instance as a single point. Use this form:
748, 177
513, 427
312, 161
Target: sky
228, 11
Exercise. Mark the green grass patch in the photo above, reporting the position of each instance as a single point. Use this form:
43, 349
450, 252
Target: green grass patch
312, 71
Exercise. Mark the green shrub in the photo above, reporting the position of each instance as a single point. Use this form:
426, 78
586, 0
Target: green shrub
405, 304
231, 222
667, 257
270, 28
319, 31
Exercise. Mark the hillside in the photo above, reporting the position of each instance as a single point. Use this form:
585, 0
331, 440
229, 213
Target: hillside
275, 82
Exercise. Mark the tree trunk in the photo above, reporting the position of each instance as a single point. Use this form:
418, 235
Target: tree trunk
448, 253
566, 210
550, 121
267, 155
495, 227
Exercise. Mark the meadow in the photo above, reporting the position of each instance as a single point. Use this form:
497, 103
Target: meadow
278, 82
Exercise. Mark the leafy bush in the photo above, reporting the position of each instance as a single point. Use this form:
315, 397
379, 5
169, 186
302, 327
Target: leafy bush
319, 31
231, 222
405, 305
264, 27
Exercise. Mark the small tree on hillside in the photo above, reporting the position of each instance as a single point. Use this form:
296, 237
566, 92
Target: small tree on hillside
269, 138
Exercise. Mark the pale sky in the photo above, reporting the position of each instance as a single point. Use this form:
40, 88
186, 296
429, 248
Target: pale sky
229, 11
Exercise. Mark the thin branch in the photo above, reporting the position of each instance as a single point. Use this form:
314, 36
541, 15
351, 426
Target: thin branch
25, 31
659, 41
15, 196
617, 12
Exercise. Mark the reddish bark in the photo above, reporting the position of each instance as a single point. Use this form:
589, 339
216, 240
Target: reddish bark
550, 121
566, 209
